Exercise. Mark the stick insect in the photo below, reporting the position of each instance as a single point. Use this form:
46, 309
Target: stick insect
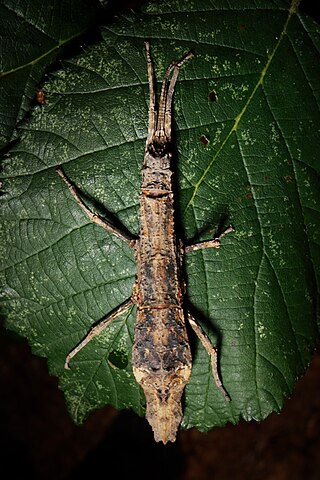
161, 356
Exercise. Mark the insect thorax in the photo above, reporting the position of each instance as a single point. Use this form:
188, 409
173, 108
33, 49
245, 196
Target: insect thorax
156, 173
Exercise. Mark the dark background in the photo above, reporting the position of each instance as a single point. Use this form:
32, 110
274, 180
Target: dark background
38, 440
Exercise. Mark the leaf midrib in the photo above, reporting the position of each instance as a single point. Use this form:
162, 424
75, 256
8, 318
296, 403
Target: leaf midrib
292, 11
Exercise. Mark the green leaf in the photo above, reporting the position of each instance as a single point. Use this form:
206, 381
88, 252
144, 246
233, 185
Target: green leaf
246, 115
32, 35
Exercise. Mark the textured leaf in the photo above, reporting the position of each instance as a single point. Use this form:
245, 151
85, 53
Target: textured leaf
246, 113
32, 34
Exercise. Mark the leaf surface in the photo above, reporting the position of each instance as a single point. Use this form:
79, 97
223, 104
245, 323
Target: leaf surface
32, 34
246, 116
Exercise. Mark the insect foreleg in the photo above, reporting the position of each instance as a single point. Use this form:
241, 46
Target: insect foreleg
212, 352
159, 126
152, 95
96, 329
94, 217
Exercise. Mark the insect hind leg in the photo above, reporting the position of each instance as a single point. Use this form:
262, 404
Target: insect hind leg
212, 352
96, 329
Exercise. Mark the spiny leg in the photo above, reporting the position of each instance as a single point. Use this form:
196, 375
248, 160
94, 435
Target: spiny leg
210, 349
95, 330
94, 216
160, 120
214, 243
212, 352
176, 68
152, 95
167, 91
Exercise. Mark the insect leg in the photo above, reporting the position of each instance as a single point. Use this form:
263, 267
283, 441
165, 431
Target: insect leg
152, 100
159, 126
96, 329
214, 243
212, 352
165, 104
94, 216
170, 90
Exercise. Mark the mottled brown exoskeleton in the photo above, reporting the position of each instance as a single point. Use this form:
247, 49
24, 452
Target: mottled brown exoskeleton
161, 356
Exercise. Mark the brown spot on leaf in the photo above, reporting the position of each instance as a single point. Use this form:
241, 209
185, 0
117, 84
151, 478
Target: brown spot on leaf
204, 140
213, 97
288, 178
41, 97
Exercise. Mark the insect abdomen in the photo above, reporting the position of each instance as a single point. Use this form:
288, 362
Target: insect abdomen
161, 356
161, 360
